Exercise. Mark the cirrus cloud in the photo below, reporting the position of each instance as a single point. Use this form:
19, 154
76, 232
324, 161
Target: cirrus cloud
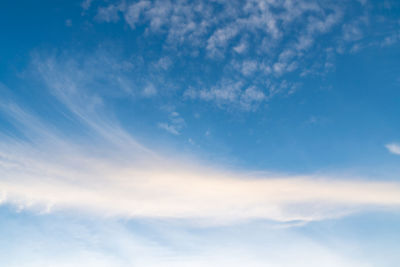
393, 148
115, 175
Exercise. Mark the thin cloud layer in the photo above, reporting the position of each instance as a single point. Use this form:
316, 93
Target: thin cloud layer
113, 189
75, 242
393, 148
115, 175
200, 133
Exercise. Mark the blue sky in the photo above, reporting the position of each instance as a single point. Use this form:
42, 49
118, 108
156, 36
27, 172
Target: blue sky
185, 133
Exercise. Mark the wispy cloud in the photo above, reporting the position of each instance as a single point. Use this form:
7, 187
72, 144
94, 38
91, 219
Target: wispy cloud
175, 122
393, 148
287, 37
168, 189
73, 241
230, 94
284, 35
115, 175
169, 128
86, 4
149, 91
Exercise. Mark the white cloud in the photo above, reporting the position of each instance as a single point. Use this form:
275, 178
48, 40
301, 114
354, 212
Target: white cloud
47, 241
114, 175
352, 32
68, 22
35, 178
304, 42
149, 90
86, 4
391, 39
169, 128
109, 13
278, 36
220, 39
251, 97
249, 67
203, 25
133, 12
225, 93
393, 148
279, 68
163, 63
230, 94
241, 47
175, 125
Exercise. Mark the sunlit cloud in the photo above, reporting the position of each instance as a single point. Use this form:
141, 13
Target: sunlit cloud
213, 133
115, 175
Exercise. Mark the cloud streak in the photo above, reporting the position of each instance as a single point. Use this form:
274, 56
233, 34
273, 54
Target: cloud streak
115, 175
393, 148
152, 191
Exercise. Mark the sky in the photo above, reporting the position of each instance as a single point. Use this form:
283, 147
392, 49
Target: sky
200, 133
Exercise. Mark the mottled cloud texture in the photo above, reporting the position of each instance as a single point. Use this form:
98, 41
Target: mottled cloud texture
257, 48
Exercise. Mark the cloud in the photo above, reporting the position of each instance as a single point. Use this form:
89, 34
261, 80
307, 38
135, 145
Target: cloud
169, 128
48, 240
149, 91
251, 97
249, 67
241, 47
68, 22
393, 148
109, 13
231, 94
145, 187
220, 39
112, 174
352, 32
163, 63
226, 92
219, 33
391, 39
133, 12
289, 40
175, 124
86, 4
